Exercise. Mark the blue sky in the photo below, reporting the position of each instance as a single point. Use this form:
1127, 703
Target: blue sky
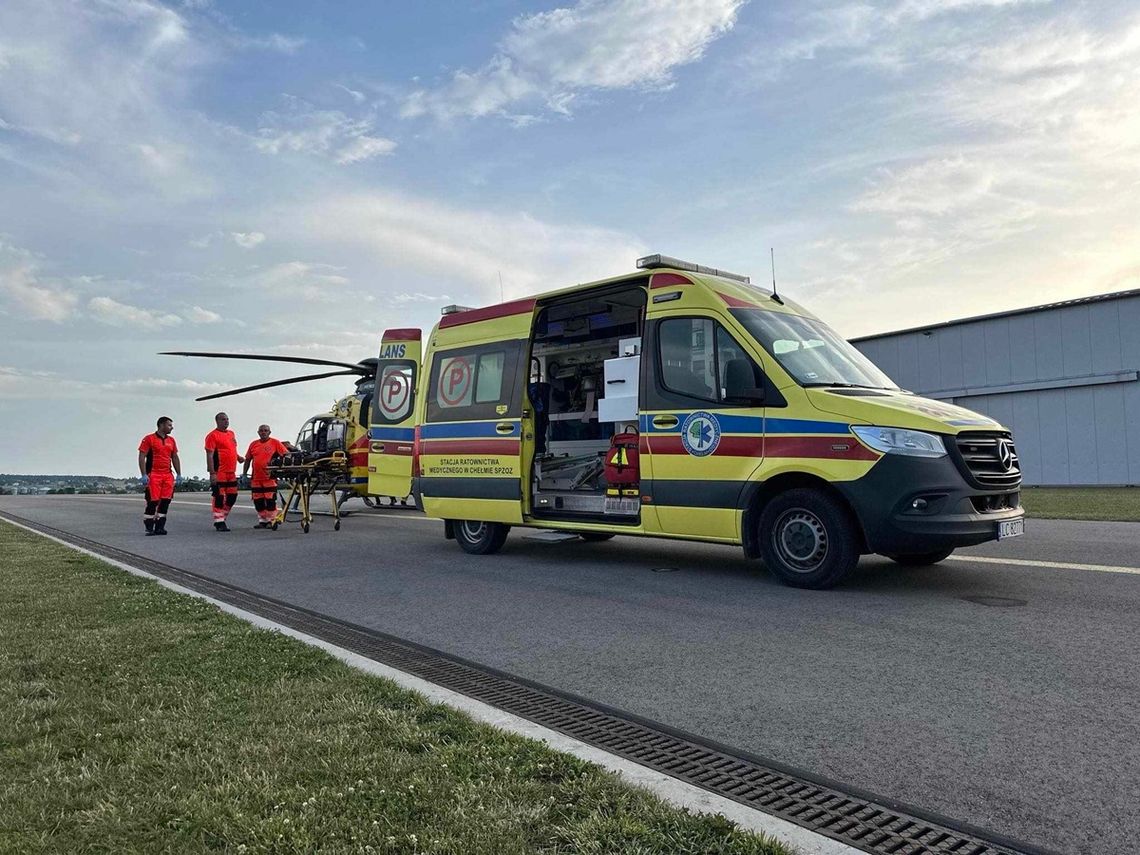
295, 177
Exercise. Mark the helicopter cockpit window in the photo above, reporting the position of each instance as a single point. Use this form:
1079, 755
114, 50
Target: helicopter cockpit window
305, 437
334, 436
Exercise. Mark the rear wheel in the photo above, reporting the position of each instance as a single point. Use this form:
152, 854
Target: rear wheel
920, 559
480, 538
594, 536
808, 539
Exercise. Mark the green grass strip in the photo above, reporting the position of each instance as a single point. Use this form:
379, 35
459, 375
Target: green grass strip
1121, 504
135, 719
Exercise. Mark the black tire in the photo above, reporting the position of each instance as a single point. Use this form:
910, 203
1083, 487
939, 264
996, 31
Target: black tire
476, 537
337, 526
808, 539
305, 527
594, 536
920, 559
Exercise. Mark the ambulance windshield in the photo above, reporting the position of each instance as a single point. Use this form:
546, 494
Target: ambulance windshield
810, 351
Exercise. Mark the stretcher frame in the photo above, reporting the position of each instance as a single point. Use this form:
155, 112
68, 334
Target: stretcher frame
307, 478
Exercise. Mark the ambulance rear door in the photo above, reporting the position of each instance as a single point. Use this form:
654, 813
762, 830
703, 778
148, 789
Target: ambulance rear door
392, 429
471, 441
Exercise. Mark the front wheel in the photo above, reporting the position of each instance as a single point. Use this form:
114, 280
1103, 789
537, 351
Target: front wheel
480, 538
920, 559
808, 539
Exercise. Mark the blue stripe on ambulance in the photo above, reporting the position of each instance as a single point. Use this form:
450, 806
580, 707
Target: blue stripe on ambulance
468, 430
396, 434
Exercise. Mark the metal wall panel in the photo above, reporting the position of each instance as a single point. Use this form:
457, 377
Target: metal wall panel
1111, 433
1132, 438
1080, 419
906, 373
1076, 345
1104, 329
973, 354
1047, 341
1026, 429
997, 351
1054, 437
1022, 350
952, 375
929, 365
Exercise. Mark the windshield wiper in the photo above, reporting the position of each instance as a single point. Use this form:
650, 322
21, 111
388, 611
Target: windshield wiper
845, 386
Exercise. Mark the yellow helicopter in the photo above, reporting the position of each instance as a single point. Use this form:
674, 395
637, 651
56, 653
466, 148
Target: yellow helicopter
368, 426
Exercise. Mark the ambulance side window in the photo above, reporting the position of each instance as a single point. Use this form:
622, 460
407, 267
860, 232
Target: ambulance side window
475, 383
694, 359
687, 348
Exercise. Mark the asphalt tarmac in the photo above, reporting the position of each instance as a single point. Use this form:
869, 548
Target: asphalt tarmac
998, 693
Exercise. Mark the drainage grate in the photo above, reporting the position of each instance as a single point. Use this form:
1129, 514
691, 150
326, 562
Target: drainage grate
858, 819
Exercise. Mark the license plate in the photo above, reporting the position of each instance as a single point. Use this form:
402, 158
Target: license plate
1011, 528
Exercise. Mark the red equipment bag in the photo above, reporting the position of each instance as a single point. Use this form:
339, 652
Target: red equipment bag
622, 465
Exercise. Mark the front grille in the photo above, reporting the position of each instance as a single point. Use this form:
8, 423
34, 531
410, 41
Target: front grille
980, 457
996, 502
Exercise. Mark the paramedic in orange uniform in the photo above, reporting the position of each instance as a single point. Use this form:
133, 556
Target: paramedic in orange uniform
263, 487
222, 459
158, 456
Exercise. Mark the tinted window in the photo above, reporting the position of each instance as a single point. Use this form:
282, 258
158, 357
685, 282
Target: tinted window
695, 354
475, 383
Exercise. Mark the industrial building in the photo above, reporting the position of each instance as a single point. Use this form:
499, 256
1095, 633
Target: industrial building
1062, 377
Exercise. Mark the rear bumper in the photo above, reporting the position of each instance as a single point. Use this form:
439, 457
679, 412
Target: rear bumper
956, 514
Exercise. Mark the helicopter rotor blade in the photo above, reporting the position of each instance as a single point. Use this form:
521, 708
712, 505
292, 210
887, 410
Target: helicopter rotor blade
265, 357
273, 383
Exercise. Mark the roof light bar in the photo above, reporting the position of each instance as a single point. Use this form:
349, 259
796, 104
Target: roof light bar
454, 309
651, 262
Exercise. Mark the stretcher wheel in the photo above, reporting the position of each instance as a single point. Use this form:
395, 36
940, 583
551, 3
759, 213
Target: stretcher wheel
275, 526
337, 526
305, 527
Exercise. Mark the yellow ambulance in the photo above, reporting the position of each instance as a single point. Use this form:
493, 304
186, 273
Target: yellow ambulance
681, 401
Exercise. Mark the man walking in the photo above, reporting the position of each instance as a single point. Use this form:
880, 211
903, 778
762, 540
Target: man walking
158, 455
263, 488
221, 462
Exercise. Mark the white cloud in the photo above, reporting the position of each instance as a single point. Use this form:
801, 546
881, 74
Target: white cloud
273, 42
551, 57
109, 311
470, 247
304, 129
25, 291
198, 315
247, 240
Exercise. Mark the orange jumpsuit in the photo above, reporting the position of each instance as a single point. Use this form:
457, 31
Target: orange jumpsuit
263, 487
160, 480
222, 444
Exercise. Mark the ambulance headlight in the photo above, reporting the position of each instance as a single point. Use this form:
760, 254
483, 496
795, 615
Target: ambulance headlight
913, 443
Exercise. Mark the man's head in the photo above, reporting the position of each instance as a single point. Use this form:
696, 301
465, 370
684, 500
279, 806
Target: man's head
222, 421
165, 425
263, 432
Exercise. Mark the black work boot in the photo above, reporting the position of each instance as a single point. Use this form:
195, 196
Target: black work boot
221, 526
160, 525
149, 523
